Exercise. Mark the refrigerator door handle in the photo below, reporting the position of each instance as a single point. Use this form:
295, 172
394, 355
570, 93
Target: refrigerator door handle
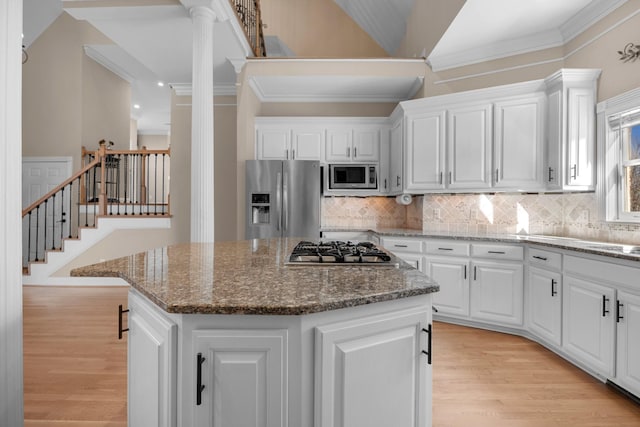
285, 202
279, 201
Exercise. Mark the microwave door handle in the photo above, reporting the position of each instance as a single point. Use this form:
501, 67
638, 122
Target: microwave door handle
285, 202
278, 201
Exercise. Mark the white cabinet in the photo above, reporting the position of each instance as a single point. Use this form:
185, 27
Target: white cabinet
425, 151
497, 292
351, 389
353, 144
407, 249
452, 274
273, 144
151, 367
395, 180
571, 97
242, 377
306, 143
469, 141
544, 294
518, 154
588, 323
628, 344
278, 140
545, 304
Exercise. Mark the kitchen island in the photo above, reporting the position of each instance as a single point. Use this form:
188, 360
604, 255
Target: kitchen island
230, 334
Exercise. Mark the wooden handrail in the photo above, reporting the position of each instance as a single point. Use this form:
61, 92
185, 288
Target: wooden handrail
252, 30
66, 182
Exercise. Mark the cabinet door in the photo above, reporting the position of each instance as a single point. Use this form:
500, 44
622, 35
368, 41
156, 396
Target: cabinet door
469, 139
425, 151
339, 143
306, 144
273, 144
518, 143
366, 145
588, 323
371, 372
628, 351
244, 378
497, 292
395, 154
581, 137
452, 276
553, 173
151, 367
545, 304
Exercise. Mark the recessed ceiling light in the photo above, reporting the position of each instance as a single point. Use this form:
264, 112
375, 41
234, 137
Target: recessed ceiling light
136, 106
161, 84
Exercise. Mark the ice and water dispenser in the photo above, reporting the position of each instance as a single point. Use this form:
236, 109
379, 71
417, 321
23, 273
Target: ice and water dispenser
260, 208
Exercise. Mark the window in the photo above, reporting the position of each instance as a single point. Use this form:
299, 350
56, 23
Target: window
621, 175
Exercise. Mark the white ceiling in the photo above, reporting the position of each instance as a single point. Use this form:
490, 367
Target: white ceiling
153, 43
491, 29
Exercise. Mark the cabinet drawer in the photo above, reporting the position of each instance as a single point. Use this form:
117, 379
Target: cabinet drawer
497, 251
447, 247
402, 245
544, 259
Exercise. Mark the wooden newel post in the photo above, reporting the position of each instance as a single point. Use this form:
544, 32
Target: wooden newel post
102, 198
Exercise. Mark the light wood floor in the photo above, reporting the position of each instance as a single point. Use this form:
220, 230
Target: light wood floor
75, 372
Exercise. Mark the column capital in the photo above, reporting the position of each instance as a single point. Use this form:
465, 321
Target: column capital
217, 10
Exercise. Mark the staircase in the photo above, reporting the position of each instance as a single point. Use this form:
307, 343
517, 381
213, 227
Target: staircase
114, 190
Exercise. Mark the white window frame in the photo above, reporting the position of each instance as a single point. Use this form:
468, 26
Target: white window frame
624, 108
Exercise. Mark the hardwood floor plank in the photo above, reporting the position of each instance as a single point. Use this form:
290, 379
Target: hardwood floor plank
75, 372
75, 366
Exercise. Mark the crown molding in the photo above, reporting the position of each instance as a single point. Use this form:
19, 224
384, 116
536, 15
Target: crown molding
108, 64
587, 17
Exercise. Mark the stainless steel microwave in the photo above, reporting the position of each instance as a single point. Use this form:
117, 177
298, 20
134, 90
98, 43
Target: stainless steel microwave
352, 176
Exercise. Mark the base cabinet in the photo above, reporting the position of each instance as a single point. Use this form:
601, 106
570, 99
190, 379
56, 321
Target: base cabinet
545, 304
588, 323
242, 377
452, 276
497, 292
351, 389
628, 345
151, 367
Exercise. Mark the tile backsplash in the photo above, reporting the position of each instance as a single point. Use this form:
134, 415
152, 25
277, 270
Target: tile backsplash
570, 215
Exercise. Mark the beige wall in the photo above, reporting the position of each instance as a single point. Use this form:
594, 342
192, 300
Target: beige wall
153, 142
595, 48
428, 21
68, 99
317, 28
224, 168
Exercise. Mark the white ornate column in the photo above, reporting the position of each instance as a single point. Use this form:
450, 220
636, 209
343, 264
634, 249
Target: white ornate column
202, 160
11, 403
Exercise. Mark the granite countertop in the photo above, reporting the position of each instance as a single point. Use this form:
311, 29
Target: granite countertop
250, 277
609, 249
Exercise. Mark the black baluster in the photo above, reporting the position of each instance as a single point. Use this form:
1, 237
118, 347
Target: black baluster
29, 240
164, 210
149, 184
37, 230
46, 213
155, 184
53, 223
126, 175
62, 215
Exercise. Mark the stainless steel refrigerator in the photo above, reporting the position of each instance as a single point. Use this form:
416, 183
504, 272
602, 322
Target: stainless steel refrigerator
283, 199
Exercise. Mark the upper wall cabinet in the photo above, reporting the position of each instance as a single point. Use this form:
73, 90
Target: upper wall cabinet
282, 140
518, 151
495, 139
355, 143
469, 147
571, 97
327, 139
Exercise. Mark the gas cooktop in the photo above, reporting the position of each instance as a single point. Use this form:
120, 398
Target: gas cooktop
338, 253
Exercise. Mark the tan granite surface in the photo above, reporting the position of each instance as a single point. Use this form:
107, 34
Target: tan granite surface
250, 277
